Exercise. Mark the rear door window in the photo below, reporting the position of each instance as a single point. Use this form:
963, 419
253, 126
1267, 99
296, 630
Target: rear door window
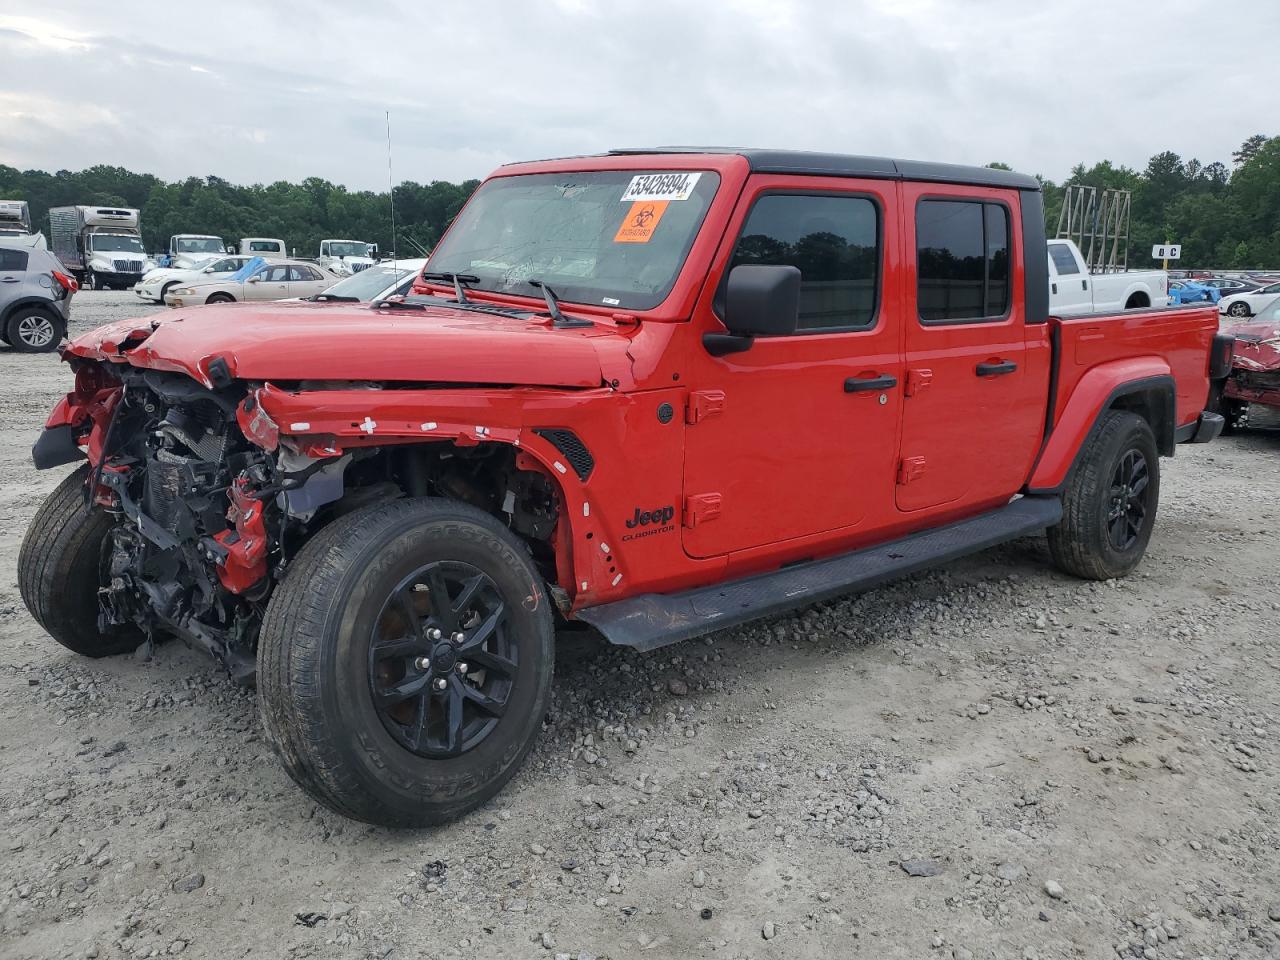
962, 260
1063, 261
13, 261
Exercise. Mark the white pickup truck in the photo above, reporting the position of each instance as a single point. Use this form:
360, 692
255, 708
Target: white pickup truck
1074, 291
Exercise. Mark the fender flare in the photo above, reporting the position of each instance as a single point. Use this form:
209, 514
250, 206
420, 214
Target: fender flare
1097, 392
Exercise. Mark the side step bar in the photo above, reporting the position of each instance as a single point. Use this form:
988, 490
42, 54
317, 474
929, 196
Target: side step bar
654, 620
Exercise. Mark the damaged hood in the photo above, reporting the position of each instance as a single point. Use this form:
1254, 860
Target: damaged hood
309, 341
1257, 345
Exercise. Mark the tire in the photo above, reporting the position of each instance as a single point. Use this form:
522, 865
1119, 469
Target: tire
94, 282
164, 291
1239, 309
60, 569
33, 330
220, 298
318, 667
1094, 541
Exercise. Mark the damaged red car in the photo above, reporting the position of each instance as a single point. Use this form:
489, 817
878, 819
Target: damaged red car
658, 392
1250, 396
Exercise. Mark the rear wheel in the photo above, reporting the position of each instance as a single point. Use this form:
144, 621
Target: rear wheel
33, 330
405, 662
1109, 506
61, 565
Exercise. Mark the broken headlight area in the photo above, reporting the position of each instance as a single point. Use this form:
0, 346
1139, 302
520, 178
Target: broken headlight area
207, 518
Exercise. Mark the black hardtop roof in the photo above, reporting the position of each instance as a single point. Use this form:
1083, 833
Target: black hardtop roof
804, 162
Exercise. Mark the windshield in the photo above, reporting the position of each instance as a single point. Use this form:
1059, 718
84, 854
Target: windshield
348, 248
199, 245
112, 243
614, 238
225, 265
264, 246
367, 284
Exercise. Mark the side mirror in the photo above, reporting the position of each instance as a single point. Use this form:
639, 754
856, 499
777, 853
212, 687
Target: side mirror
760, 300
254, 279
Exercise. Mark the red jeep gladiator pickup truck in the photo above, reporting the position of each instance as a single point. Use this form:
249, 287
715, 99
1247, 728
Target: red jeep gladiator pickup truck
659, 391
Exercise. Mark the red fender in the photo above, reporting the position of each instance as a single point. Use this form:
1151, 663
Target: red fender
1094, 393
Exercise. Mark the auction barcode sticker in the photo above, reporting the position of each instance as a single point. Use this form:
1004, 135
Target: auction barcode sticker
661, 186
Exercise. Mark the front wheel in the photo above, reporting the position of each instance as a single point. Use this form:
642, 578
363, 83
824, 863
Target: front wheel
220, 298
1109, 506
1238, 309
61, 565
405, 661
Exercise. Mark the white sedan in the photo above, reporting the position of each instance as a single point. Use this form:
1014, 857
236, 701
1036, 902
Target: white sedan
1251, 302
256, 280
156, 284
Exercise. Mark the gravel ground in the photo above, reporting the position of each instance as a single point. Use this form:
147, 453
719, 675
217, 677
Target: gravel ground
988, 761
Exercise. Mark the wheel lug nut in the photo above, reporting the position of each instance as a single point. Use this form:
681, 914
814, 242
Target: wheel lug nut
458, 637
440, 683
434, 633
422, 663
462, 669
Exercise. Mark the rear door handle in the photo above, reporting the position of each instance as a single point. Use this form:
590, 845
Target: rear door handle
10, 280
996, 369
868, 384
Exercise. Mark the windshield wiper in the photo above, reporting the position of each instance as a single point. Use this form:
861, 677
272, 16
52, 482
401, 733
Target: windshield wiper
471, 305
332, 298
558, 319
457, 279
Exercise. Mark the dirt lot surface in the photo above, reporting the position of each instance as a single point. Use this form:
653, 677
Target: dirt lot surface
988, 761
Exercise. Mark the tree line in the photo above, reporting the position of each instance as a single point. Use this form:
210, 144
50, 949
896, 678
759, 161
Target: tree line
302, 214
1224, 216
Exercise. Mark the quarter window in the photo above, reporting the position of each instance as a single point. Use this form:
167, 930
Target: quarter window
962, 260
835, 243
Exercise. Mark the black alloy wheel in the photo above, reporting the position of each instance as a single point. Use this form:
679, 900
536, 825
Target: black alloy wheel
442, 661
1130, 485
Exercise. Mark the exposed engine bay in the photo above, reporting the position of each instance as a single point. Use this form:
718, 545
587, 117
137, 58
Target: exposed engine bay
208, 522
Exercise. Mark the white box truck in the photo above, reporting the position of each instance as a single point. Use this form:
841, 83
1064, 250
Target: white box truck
102, 246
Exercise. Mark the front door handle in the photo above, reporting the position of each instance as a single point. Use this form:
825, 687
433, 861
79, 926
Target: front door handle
868, 384
996, 369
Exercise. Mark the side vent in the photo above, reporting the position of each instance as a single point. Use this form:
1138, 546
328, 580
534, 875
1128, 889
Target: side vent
574, 450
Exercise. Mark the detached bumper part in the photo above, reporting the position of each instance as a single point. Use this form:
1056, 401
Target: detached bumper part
1205, 430
56, 446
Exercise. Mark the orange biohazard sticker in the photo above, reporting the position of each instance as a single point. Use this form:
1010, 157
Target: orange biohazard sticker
641, 220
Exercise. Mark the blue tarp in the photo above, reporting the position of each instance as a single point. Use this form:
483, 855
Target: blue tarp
1192, 292
248, 270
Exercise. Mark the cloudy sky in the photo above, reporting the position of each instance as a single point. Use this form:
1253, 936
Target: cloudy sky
282, 89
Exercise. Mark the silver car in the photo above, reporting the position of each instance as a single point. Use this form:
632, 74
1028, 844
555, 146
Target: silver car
35, 298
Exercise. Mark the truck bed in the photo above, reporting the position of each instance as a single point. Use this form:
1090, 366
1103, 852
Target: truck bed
1157, 356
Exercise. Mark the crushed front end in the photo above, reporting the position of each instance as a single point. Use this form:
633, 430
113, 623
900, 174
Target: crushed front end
191, 552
